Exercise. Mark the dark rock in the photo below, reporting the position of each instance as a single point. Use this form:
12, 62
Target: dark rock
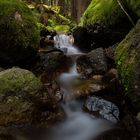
82, 39
114, 134
110, 52
110, 55
112, 86
88, 87
44, 32
111, 75
93, 63
50, 65
130, 123
101, 36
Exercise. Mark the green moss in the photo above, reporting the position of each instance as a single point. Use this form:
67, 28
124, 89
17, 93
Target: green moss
126, 64
17, 81
17, 36
133, 5
62, 28
64, 19
127, 59
102, 11
52, 23
108, 12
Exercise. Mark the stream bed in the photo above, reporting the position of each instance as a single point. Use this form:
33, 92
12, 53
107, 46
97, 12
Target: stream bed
78, 125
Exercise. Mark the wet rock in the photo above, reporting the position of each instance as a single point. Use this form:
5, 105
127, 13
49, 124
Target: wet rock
88, 87
106, 109
111, 75
110, 55
47, 37
44, 32
110, 52
107, 84
51, 64
46, 42
112, 84
93, 63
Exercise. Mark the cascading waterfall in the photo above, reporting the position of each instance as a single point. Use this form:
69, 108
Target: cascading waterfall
64, 42
78, 125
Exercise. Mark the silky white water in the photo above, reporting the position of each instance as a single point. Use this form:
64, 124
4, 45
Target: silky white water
78, 125
65, 42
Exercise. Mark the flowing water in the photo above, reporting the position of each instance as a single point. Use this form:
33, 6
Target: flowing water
78, 125
64, 43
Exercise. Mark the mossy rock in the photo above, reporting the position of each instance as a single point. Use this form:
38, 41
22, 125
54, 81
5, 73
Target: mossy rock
19, 94
128, 64
107, 22
19, 33
109, 12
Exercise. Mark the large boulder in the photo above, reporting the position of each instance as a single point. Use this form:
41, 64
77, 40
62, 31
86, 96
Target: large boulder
107, 22
93, 63
99, 12
19, 34
128, 64
19, 89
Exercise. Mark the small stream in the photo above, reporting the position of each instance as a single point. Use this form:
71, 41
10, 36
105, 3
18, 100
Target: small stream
78, 124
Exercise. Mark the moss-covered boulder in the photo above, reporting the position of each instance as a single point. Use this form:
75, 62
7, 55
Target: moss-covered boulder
109, 21
110, 12
19, 34
19, 94
128, 64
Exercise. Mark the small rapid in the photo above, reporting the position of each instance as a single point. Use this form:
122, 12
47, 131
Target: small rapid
78, 125
64, 42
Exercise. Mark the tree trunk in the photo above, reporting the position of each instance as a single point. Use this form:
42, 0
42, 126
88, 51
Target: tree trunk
78, 8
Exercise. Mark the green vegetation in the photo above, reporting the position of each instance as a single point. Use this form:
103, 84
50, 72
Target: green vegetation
109, 12
127, 59
104, 12
19, 34
17, 81
18, 90
133, 5
62, 28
